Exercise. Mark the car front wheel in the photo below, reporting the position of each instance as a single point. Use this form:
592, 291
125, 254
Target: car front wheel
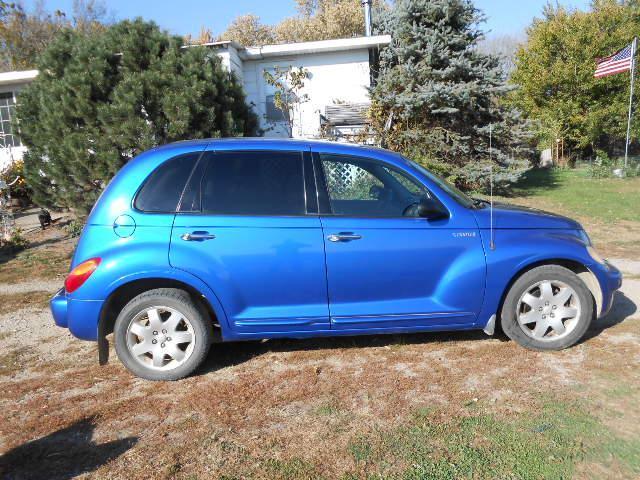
547, 308
162, 335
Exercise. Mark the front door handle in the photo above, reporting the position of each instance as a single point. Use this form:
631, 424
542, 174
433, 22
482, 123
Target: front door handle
197, 236
343, 237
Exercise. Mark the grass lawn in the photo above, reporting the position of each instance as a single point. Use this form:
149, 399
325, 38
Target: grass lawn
574, 192
608, 209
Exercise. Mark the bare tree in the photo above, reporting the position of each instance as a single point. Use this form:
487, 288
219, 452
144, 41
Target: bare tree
504, 47
25, 33
288, 84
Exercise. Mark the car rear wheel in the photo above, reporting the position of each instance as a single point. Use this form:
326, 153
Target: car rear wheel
162, 335
547, 308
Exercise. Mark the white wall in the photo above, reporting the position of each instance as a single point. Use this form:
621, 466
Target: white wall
231, 60
335, 77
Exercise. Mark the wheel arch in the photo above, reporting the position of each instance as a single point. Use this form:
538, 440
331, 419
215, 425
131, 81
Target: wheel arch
581, 270
125, 292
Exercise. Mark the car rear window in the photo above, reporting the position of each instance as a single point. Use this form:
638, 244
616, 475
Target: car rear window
162, 189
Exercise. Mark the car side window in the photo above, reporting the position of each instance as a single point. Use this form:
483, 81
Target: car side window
161, 191
365, 188
253, 183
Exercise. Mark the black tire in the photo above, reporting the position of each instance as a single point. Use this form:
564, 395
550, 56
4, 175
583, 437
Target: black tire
180, 301
552, 273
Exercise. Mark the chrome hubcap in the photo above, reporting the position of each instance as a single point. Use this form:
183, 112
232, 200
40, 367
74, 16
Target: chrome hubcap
548, 310
160, 338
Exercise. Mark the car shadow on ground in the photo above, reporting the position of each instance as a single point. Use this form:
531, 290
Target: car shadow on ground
62, 454
224, 355
623, 307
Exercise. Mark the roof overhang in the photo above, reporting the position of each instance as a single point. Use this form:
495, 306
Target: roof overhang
22, 76
322, 46
220, 44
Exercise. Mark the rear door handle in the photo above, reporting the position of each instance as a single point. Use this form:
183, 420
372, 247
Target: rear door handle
343, 237
197, 236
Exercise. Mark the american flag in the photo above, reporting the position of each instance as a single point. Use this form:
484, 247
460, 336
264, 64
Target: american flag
616, 63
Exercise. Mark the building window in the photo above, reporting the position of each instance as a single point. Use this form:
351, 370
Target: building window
274, 114
7, 112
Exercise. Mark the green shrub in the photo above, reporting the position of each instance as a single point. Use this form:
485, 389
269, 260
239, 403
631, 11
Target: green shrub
15, 242
602, 167
74, 228
19, 188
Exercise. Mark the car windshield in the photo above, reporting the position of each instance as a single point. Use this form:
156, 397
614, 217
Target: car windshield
459, 196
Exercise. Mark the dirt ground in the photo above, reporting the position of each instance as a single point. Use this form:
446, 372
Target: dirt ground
308, 409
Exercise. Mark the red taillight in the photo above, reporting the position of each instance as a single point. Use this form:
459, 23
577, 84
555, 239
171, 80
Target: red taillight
80, 274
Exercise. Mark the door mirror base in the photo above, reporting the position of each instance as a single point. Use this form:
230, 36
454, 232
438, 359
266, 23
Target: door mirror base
431, 209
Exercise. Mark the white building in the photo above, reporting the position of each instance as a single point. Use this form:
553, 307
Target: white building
336, 90
340, 73
10, 85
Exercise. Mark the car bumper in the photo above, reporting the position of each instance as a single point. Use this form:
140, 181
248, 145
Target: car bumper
610, 281
58, 305
79, 316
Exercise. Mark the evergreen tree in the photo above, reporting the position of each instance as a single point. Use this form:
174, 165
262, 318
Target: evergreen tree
101, 99
437, 94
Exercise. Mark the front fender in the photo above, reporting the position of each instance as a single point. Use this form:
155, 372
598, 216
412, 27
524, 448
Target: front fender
517, 250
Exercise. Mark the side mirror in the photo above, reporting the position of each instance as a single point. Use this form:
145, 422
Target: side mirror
431, 209
376, 192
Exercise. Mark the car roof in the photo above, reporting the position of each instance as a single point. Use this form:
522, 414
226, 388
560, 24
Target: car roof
275, 143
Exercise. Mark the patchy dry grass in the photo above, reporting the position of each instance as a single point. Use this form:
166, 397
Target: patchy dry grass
47, 257
17, 301
343, 408
454, 405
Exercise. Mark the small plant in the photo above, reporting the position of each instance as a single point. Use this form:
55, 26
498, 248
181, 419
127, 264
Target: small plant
14, 176
15, 242
633, 171
602, 166
74, 228
288, 84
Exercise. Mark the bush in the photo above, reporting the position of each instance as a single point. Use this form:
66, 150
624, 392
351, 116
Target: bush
476, 176
15, 242
74, 228
602, 167
18, 189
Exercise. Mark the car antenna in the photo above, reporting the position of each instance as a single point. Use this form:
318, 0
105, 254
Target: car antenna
492, 244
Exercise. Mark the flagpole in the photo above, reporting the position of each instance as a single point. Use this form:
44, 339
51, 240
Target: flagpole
633, 71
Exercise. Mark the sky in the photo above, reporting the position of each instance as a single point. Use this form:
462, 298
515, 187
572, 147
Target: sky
187, 16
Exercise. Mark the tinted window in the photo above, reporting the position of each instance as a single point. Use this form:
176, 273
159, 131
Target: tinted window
162, 189
360, 187
253, 183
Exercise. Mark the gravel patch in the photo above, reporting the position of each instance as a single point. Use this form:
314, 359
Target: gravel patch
34, 286
34, 330
627, 266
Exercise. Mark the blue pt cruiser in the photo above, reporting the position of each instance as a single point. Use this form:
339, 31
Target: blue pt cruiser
222, 240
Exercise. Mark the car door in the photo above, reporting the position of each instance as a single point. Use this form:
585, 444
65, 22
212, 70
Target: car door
247, 227
390, 271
